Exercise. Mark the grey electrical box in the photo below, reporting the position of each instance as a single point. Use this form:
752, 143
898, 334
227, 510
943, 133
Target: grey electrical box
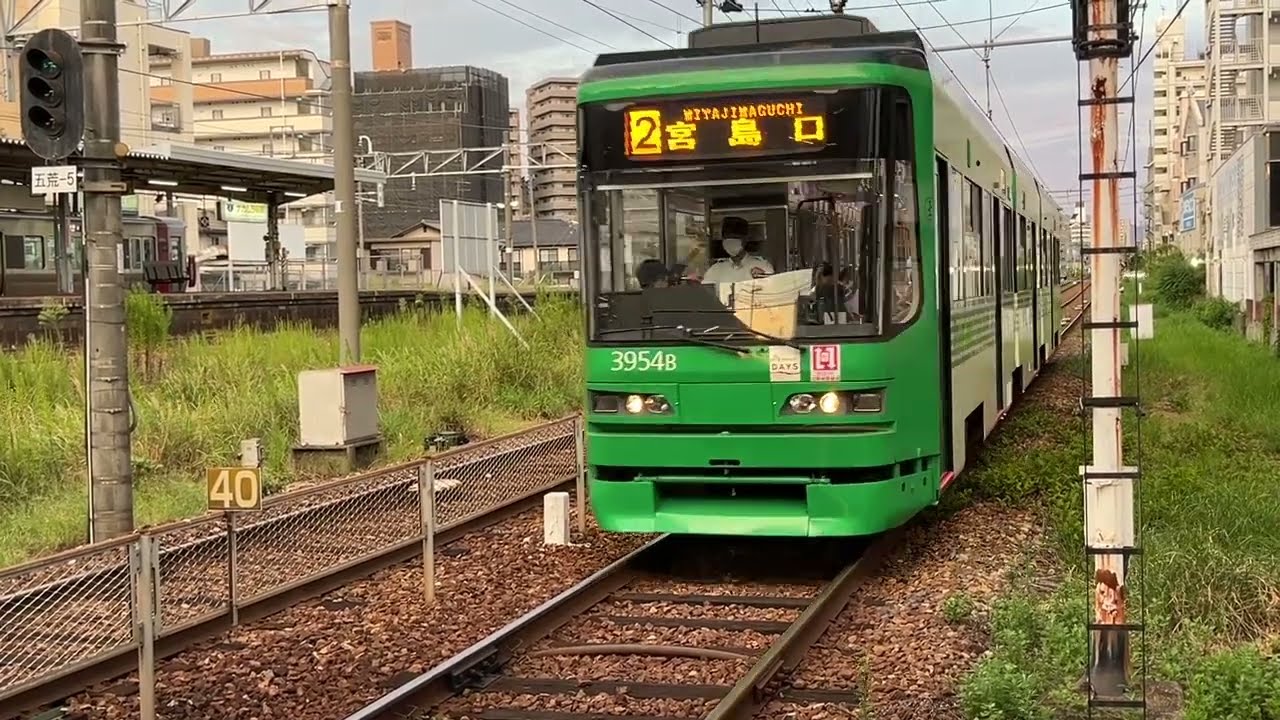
337, 406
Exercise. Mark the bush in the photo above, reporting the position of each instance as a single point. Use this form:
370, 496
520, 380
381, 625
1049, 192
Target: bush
1238, 684
1000, 690
1175, 283
148, 319
1217, 313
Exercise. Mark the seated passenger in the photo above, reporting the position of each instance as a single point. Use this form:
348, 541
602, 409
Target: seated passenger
740, 265
652, 274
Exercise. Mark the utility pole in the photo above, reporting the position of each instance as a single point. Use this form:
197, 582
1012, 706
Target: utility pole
110, 441
533, 232
508, 212
986, 53
1102, 36
708, 12
344, 181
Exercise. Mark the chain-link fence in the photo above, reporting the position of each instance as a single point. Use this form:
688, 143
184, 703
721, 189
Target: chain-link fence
87, 607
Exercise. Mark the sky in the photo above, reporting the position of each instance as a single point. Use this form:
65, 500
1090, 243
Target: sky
1037, 82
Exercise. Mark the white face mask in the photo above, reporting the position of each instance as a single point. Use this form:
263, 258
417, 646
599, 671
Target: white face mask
733, 246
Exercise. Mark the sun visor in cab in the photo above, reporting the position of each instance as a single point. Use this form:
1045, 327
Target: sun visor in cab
779, 30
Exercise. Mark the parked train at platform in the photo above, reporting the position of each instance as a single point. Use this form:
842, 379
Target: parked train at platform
890, 285
28, 252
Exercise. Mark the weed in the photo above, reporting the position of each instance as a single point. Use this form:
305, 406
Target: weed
1210, 453
1235, 684
210, 394
1000, 690
958, 608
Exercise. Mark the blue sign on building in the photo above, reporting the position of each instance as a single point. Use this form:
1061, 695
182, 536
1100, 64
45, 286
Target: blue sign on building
1188, 211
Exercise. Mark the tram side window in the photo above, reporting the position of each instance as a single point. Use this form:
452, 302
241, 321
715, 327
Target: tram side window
989, 234
1035, 268
975, 238
1024, 258
906, 291
967, 254
957, 207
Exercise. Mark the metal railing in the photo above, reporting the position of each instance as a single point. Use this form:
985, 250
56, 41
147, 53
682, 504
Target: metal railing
100, 610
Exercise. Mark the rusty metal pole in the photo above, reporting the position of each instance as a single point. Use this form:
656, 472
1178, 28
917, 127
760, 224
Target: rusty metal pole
1108, 494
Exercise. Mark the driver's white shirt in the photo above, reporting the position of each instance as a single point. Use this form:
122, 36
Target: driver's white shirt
725, 270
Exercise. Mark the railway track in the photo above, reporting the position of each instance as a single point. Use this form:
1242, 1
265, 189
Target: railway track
1075, 297
67, 621
656, 637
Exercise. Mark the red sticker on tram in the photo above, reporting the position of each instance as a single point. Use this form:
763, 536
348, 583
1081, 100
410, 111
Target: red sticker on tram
824, 363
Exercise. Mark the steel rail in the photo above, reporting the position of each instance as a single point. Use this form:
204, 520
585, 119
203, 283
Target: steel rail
121, 660
444, 680
744, 699
750, 694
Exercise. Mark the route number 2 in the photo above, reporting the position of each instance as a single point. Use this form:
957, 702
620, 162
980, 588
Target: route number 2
237, 488
643, 360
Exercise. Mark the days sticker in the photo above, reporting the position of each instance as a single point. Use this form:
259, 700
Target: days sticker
824, 363
784, 364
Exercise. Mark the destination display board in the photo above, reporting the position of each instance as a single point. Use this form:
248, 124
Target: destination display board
724, 127
733, 129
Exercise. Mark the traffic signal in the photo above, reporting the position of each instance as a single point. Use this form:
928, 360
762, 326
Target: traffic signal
52, 78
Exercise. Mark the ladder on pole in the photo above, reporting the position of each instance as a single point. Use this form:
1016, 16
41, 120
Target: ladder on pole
1103, 35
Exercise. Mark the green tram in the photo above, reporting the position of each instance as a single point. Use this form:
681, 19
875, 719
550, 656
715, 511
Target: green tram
814, 278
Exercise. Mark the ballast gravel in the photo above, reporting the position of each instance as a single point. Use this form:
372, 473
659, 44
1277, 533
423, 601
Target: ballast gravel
329, 656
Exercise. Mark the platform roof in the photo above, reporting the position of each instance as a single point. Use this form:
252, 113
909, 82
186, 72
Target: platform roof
191, 169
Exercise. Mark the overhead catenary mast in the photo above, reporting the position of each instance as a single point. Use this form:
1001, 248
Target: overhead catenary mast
1103, 34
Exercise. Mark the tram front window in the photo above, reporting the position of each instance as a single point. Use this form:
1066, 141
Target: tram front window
786, 259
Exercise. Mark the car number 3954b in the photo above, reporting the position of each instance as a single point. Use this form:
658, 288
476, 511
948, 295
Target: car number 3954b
643, 360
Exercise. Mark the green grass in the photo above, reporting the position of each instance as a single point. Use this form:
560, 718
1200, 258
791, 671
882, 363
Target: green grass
1210, 453
202, 397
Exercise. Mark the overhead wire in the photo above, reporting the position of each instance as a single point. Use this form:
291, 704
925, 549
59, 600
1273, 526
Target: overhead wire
1025, 151
941, 59
995, 85
549, 21
626, 22
1155, 44
1133, 109
1014, 21
535, 28
670, 9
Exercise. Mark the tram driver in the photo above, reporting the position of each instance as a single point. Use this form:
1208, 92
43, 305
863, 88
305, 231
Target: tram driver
740, 265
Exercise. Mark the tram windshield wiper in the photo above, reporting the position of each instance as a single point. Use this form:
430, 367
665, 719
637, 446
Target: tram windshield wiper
684, 334
730, 332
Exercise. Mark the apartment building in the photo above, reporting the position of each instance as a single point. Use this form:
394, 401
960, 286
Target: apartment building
1175, 80
261, 103
1242, 53
517, 184
271, 103
553, 122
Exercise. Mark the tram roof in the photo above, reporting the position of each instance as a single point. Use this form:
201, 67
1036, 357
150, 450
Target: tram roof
201, 171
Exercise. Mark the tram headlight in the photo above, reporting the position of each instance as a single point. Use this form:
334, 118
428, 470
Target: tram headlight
829, 403
836, 402
802, 403
630, 403
635, 404
657, 405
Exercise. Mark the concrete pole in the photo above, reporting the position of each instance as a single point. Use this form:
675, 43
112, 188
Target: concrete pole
111, 479
708, 12
344, 182
1109, 498
533, 229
